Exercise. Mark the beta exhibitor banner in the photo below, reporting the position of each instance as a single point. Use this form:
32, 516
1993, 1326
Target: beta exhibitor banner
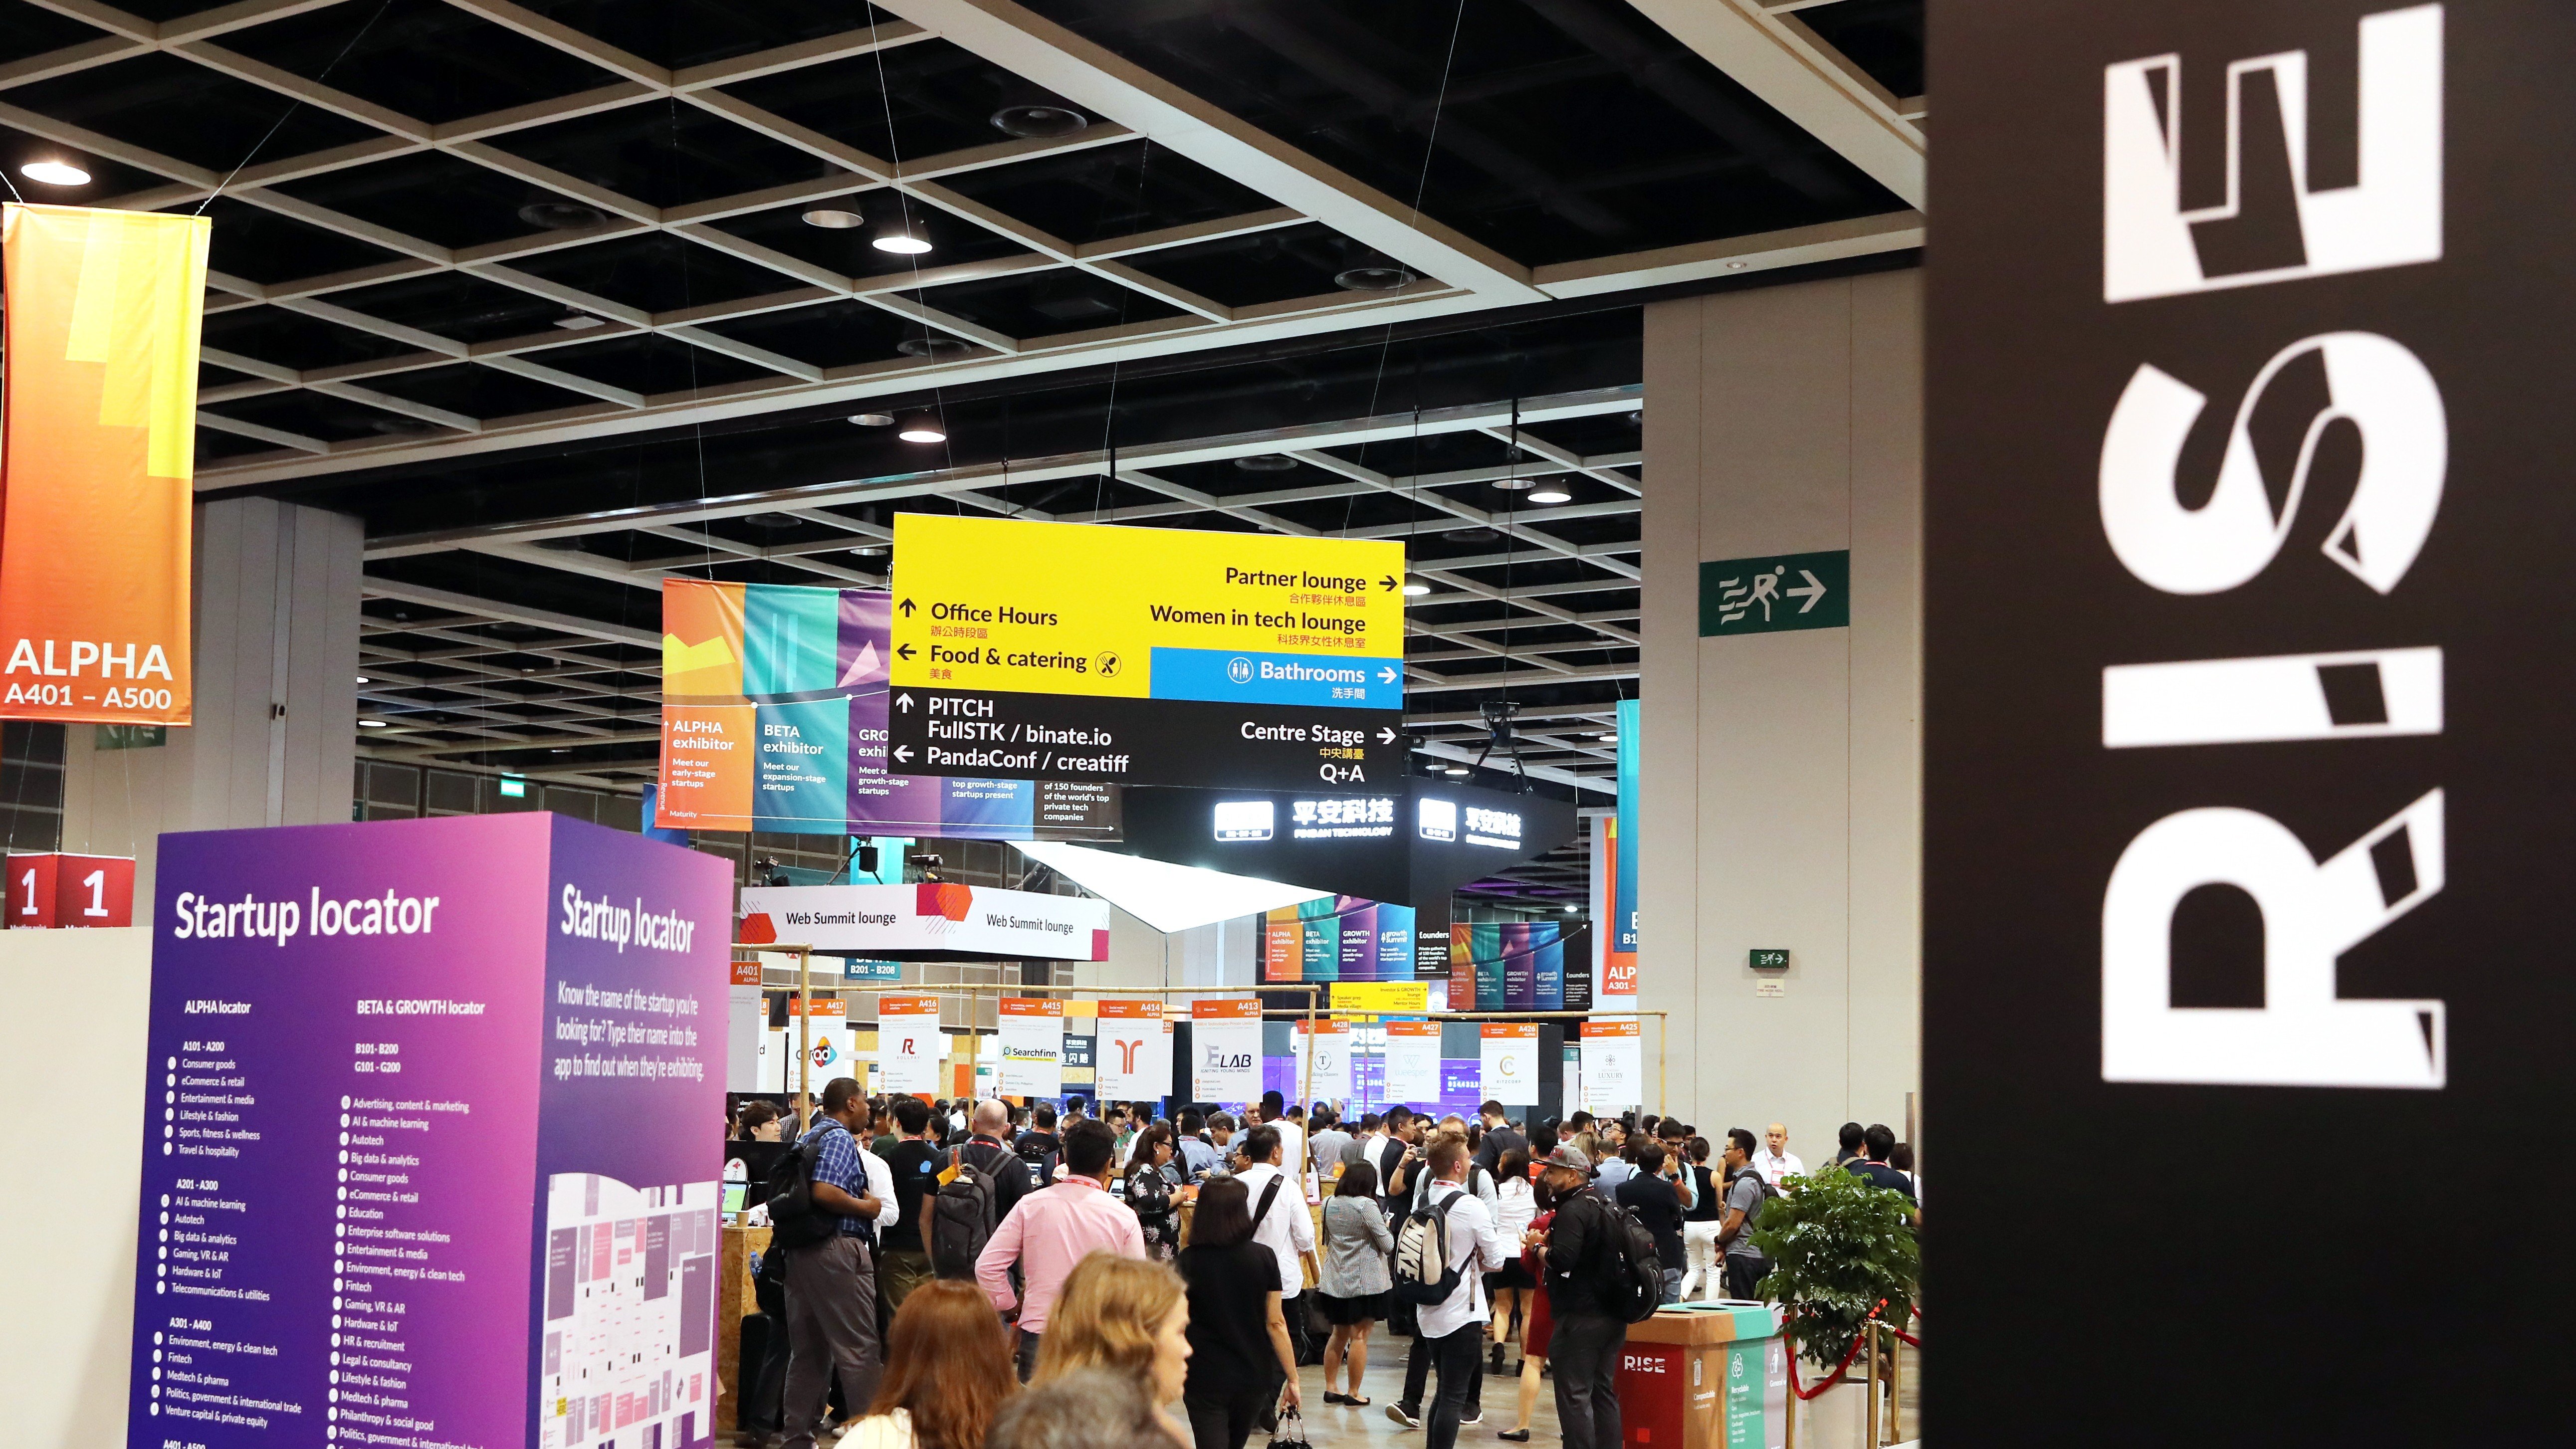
910, 1044
1614, 1063
1031, 1040
1135, 1052
1510, 1073
1225, 1042
1413, 1062
96, 474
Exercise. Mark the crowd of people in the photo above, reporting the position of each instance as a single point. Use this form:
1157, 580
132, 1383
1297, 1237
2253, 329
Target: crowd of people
953, 1272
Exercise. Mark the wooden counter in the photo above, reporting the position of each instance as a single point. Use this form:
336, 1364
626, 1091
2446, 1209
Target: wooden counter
734, 1303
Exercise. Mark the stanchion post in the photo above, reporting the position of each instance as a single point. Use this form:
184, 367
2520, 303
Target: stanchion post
1895, 1388
1789, 1341
1872, 1418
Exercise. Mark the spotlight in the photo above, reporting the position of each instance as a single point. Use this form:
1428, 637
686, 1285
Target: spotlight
1038, 121
1737, 266
1551, 494
362, 679
1415, 588
371, 724
834, 218
922, 428
1375, 279
1569, 908
54, 173
873, 420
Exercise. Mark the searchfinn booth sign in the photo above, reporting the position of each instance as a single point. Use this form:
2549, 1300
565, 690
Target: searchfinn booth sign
432, 1163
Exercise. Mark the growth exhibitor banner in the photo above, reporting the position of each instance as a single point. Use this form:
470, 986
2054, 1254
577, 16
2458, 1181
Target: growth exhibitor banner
1031, 1038
1225, 1046
97, 470
1135, 1052
909, 1044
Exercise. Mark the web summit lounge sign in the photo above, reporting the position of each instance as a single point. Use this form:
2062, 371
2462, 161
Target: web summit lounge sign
2248, 659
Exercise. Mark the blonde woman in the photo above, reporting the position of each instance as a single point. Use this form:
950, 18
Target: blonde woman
1127, 1315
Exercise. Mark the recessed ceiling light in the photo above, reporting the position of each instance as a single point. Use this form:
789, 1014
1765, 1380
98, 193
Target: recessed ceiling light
1569, 908
1736, 266
1472, 533
562, 215
1551, 494
869, 550
371, 724
1415, 588
873, 420
1455, 770
362, 679
900, 242
54, 173
1038, 120
1389, 278
937, 349
834, 218
1515, 485
1266, 463
922, 428
578, 322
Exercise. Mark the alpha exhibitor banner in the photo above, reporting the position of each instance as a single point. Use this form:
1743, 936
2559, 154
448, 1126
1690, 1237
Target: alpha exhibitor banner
96, 475
1135, 1052
1225, 1046
1412, 1058
1510, 1074
1338, 938
1614, 1065
1331, 1080
910, 1044
1030, 1036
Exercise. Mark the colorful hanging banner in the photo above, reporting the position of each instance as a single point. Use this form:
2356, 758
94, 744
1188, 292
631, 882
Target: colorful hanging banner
910, 1043
1134, 1049
1510, 1074
1510, 965
774, 719
1225, 1050
1338, 938
1030, 1037
1617, 985
1614, 1064
1412, 1063
99, 461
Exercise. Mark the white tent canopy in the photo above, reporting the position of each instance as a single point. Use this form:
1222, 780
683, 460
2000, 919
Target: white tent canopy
1164, 896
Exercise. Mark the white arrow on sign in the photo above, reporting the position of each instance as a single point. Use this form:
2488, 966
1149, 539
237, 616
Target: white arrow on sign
1814, 590
1389, 675
904, 702
903, 753
1386, 736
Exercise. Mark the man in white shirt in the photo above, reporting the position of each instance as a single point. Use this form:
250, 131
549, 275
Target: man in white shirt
1453, 1328
1331, 1145
1292, 1138
1775, 1161
1284, 1227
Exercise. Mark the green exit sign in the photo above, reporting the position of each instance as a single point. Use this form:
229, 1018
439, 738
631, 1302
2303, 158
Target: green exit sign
1771, 959
1775, 592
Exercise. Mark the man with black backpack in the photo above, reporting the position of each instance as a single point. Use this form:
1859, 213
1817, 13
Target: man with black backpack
1442, 1253
821, 1221
1591, 1295
1054, 1229
1746, 1191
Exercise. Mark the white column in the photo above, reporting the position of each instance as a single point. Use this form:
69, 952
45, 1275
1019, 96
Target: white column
277, 593
1782, 773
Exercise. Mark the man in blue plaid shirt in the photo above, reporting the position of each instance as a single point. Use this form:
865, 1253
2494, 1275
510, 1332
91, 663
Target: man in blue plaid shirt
831, 1285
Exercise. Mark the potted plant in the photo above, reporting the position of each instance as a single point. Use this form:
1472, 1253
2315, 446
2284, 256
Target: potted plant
1838, 1248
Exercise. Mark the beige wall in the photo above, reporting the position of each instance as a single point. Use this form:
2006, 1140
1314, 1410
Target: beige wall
277, 592
71, 1152
1782, 773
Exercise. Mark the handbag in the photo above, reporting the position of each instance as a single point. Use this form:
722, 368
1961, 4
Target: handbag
1291, 1433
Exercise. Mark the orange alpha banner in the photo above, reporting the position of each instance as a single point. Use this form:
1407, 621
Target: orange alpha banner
97, 462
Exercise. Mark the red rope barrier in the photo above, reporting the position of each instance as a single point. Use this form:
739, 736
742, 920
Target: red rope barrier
1857, 1340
